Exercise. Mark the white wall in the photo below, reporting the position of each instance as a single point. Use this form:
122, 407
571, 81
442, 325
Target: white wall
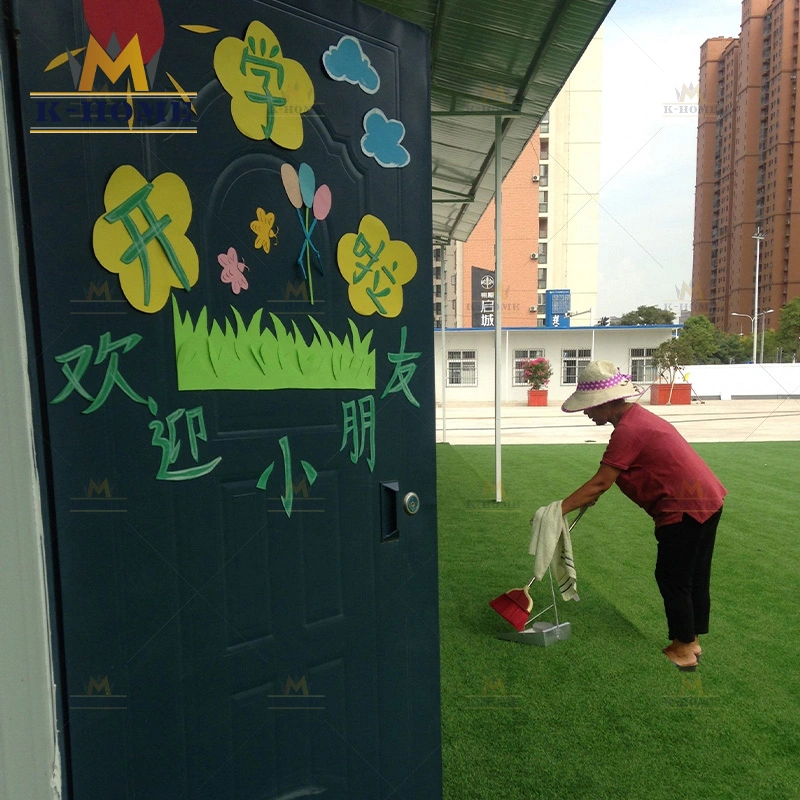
29, 757
740, 381
610, 344
574, 181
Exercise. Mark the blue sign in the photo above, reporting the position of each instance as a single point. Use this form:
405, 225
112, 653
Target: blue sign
557, 306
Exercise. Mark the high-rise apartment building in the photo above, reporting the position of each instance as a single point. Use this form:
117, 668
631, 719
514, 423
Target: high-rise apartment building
745, 168
550, 220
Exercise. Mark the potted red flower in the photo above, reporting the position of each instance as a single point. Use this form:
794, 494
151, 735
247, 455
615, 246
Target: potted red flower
537, 373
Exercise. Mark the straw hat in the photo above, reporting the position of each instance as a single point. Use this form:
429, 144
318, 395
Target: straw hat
600, 382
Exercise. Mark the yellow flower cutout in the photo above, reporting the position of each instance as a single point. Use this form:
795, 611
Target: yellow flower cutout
141, 237
264, 229
376, 268
268, 92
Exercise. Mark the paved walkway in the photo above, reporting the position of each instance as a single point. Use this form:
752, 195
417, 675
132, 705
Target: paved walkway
709, 421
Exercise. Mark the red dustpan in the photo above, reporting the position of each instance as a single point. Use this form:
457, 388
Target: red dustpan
514, 606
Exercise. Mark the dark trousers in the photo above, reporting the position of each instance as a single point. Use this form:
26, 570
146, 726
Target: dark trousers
683, 574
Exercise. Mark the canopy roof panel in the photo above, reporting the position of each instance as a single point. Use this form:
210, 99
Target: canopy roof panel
508, 57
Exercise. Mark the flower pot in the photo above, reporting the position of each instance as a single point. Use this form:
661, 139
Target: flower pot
537, 397
681, 394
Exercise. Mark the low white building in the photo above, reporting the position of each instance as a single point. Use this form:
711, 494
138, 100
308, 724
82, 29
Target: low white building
468, 372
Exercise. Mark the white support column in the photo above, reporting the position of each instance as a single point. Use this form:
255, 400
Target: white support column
444, 342
498, 304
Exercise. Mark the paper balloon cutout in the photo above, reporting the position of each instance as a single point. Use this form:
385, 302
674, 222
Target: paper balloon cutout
291, 183
308, 184
316, 200
322, 202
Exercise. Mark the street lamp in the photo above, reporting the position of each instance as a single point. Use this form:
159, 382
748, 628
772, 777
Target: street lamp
754, 328
759, 237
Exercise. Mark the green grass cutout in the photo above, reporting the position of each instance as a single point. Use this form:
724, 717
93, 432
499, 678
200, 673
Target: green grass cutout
604, 716
249, 357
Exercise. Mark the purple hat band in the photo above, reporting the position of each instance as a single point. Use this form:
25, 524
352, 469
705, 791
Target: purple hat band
591, 386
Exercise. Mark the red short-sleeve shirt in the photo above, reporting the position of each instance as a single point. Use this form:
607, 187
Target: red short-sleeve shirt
661, 472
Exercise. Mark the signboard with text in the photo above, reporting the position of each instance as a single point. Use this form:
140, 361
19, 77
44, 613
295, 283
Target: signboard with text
483, 289
557, 307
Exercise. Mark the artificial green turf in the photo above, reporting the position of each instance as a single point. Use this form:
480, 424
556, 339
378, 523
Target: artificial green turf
604, 714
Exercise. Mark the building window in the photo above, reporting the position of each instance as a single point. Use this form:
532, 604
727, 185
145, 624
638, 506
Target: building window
519, 357
543, 227
437, 290
544, 125
462, 368
642, 369
542, 202
544, 172
572, 362
544, 150
542, 279
542, 252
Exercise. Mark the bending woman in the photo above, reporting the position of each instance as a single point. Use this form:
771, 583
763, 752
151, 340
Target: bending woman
656, 467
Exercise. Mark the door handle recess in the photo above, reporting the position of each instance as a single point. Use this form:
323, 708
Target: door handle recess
390, 527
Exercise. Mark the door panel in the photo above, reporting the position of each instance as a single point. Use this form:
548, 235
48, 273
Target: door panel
236, 621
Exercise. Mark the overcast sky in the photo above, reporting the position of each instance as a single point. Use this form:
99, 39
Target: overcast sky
651, 49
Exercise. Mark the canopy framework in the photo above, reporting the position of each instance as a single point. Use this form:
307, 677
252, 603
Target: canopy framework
509, 59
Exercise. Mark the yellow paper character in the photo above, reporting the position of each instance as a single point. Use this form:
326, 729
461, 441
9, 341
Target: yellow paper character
268, 92
376, 268
141, 237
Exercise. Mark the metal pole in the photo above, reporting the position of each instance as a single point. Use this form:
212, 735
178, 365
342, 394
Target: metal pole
444, 342
498, 295
759, 237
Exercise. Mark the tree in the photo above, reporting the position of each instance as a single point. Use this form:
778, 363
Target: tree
671, 356
710, 345
647, 315
704, 339
789, 326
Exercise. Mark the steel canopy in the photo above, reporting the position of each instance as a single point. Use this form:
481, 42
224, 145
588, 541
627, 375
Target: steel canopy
508, 58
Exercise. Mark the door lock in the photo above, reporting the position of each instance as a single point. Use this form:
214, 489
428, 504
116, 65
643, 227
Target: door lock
411, 503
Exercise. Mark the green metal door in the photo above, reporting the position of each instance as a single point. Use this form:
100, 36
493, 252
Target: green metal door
227, 219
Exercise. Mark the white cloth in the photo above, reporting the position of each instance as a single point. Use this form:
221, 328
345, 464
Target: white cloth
552, 547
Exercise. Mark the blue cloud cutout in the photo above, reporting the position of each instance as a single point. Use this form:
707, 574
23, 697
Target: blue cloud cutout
346, 61
382, 139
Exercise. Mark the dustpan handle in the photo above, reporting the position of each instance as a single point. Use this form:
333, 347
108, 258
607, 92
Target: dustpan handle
575, 521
